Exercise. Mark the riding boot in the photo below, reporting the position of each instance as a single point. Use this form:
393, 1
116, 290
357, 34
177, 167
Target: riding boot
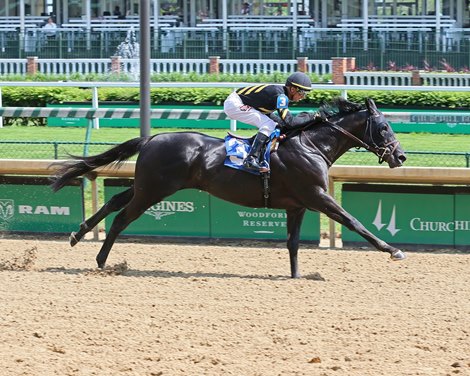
252, 161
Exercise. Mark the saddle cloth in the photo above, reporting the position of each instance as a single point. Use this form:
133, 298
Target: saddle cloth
238, 148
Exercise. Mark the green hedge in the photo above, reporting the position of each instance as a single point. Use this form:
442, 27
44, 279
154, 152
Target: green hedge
40, 97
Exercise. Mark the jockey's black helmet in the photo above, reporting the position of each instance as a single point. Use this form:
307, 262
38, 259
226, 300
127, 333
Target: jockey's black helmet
299, 80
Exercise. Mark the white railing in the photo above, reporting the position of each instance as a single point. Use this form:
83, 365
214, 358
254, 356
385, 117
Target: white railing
378, 78
71, 66
445, 79
233, 66
13, 66
199, 66
405, 78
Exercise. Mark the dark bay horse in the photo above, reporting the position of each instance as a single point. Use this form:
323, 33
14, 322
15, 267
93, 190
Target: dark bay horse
169, 162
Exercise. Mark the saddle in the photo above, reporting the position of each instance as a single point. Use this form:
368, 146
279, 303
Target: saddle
238, 147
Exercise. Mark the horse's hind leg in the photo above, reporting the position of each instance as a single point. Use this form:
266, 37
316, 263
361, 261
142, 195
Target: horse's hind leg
294, 221
127, 215
116, 203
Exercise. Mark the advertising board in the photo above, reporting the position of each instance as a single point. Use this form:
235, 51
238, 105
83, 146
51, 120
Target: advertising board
414, 215
194, 213
28, 205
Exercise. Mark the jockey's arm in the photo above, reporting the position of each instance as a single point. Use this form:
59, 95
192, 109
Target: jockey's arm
286, 120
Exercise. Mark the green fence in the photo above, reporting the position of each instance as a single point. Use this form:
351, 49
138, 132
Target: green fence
402, 50
194, 213
27, 205
418, 216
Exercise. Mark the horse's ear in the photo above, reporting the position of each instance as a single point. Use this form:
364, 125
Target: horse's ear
372, 107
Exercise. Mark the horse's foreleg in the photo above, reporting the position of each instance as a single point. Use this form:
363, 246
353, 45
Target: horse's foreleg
116, 203
294, 221
337, 213
127, 215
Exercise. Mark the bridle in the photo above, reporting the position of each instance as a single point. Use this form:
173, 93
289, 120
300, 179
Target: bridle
381, 151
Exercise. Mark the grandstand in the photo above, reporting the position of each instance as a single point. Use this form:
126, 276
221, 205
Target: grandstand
377, 33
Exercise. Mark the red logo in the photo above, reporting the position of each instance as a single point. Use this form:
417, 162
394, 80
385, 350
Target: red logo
245, 107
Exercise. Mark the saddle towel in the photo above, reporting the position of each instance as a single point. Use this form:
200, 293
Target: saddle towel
237, 150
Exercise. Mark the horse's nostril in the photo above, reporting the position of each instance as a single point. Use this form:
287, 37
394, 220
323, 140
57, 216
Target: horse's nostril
402, 158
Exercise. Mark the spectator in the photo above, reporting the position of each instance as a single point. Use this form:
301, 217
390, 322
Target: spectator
246, 9
50, 27
117, 11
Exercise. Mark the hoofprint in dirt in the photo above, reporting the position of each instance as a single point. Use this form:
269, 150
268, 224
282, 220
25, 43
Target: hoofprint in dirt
198, 309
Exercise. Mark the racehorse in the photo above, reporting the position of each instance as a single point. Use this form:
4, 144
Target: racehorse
169, 162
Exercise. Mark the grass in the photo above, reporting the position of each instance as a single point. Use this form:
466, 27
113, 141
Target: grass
409, 141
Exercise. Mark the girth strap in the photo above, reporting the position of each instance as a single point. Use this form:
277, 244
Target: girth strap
265, 180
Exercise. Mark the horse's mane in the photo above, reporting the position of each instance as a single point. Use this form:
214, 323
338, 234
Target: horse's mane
336, 107
339, 106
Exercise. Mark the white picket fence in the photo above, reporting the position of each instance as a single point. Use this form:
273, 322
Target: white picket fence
405, 78
198, 66
68, 67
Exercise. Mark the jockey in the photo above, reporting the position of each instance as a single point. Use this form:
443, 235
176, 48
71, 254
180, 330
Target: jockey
265, 107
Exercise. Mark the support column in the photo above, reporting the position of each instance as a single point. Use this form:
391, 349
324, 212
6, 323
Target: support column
116, 64
340, 65
31, 65
416, 78
302, 65
214, 64
350, 64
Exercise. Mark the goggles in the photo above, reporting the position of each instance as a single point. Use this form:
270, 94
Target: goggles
302, 92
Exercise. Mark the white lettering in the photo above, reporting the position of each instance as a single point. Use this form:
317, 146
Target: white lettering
40, 209
248, 223
174, 206
25, 209
416, 224
272, 215
57, 210
461, 225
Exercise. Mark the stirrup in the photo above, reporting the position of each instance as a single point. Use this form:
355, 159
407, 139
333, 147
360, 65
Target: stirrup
251, 163
264, 166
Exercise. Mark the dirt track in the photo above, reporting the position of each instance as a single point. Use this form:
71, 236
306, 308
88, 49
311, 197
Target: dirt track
175, 309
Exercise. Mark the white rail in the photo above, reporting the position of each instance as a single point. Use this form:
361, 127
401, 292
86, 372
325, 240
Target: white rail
446, 79
73, 66
199, 66
378, 78
405, 78
13, 66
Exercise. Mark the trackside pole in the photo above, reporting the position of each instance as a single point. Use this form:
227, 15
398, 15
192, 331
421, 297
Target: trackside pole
94, 206
94, 100
233, 122
145, 67
331, 191
1, 105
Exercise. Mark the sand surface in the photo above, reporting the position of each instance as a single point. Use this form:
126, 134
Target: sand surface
230, 309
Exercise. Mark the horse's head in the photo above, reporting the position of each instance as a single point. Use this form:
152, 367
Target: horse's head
380, 138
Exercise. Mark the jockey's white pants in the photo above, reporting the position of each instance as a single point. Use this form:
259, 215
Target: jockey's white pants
235, 109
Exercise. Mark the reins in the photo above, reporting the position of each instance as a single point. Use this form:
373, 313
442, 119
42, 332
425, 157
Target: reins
379, 151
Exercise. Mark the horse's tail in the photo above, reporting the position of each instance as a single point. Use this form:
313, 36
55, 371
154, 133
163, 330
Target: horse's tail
79, 166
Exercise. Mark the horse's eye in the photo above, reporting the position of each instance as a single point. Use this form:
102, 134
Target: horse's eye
383, 130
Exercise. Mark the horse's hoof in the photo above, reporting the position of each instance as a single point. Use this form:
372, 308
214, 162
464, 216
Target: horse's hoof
397, 255
72, 239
